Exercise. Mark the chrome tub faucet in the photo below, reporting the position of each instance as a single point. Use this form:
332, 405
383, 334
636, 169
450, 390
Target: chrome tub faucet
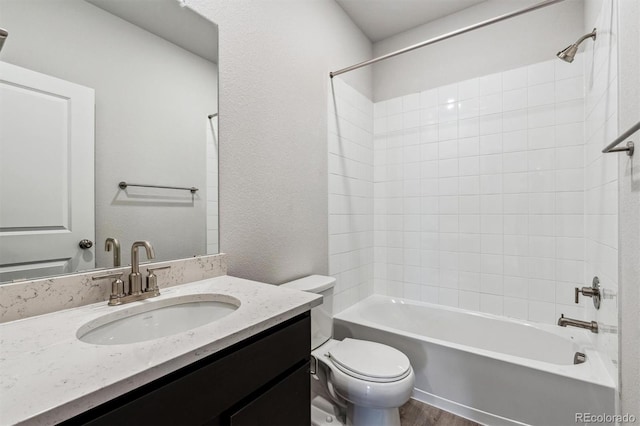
591, 326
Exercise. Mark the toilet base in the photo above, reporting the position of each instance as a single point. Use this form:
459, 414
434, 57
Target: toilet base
326, 413
365, 416
323, 413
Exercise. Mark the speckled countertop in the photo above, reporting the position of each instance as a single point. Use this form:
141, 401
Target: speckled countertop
47, 375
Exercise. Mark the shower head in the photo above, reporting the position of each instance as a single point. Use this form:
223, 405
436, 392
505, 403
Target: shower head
568, 54
3, 36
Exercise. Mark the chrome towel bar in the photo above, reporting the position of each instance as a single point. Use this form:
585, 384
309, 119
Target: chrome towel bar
629, 148
123, 185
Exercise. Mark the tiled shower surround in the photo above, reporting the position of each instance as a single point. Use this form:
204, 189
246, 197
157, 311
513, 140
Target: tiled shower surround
350, 130
490, 194
478, 193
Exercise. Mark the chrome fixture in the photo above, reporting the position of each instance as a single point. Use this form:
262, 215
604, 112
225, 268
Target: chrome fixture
629, 148
152, 280
135, 279
568, 54
117, 287
113, 243
123, 185
135, 291
593, 292
591, 326
506, 16
3, 36
579, 358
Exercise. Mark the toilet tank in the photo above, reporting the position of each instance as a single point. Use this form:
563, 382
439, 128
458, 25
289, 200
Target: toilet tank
322, 315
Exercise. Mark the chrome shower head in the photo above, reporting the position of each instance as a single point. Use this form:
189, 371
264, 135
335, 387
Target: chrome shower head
568, 54
3, 36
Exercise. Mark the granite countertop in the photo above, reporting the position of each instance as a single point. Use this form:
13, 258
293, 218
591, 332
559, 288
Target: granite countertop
47, 375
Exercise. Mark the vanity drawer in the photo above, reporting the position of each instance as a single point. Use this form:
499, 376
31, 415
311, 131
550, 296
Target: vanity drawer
206, 391
286, 403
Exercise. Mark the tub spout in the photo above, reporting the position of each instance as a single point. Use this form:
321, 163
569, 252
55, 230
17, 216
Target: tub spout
591, 326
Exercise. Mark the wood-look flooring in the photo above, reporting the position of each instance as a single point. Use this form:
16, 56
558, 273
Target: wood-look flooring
416, 413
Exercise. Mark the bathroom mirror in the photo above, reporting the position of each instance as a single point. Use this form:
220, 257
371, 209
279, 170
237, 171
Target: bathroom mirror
94, 93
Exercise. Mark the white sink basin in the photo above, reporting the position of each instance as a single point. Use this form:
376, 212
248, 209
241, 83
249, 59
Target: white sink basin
157, 318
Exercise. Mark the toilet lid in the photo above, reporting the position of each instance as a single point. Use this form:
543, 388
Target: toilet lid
370, 361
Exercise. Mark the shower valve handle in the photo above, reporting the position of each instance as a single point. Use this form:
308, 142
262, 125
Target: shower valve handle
593, 292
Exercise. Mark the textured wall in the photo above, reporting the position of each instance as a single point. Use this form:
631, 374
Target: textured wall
275, 57
534, 37
629, 180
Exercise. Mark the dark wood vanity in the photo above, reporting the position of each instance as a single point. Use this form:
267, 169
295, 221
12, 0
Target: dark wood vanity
263, 380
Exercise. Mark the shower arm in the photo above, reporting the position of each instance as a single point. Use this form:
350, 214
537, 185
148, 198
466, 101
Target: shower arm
592, 34
482, 24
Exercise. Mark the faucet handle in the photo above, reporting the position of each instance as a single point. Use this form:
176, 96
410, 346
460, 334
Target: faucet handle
593, 292
152, 279
117, 287
107, 275
158, 268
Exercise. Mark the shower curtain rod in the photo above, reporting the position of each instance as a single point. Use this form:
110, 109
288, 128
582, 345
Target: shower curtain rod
446, 36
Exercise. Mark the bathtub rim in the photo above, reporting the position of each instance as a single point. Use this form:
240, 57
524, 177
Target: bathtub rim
593, 371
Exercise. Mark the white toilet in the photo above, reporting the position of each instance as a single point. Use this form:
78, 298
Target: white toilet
365, 380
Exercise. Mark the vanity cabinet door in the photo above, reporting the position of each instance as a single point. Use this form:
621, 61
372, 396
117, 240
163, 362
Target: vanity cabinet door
273, 365
285, 404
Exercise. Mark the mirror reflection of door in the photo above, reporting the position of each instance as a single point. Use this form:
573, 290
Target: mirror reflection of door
153, 67
47, 207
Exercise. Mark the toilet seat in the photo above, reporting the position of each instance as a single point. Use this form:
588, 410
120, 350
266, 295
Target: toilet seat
370, 361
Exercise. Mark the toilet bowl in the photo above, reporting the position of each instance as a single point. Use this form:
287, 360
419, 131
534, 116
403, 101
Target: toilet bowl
365, 382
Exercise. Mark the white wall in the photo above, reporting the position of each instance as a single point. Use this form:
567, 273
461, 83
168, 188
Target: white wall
601, 174
152, 98
629, 204
479, 193
275, 57
528, 39
350, 194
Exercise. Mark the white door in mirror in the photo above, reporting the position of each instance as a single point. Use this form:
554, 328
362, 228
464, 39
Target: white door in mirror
46, 209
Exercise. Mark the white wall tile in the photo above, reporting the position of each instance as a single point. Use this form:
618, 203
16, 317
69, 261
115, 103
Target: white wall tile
468, 108
447, 94
514, 79
514, 99
543, 72
429, 98
480, 193
351, 189
468, 89
541, 94
490, 84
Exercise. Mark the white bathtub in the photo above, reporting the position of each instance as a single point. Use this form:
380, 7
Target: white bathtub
487, 368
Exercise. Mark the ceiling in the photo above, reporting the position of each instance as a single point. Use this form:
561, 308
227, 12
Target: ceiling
379, 19
168, 20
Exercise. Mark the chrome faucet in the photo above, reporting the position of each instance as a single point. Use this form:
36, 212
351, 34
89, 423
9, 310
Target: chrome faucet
113, 243
135, 279
591, 326
136, 291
